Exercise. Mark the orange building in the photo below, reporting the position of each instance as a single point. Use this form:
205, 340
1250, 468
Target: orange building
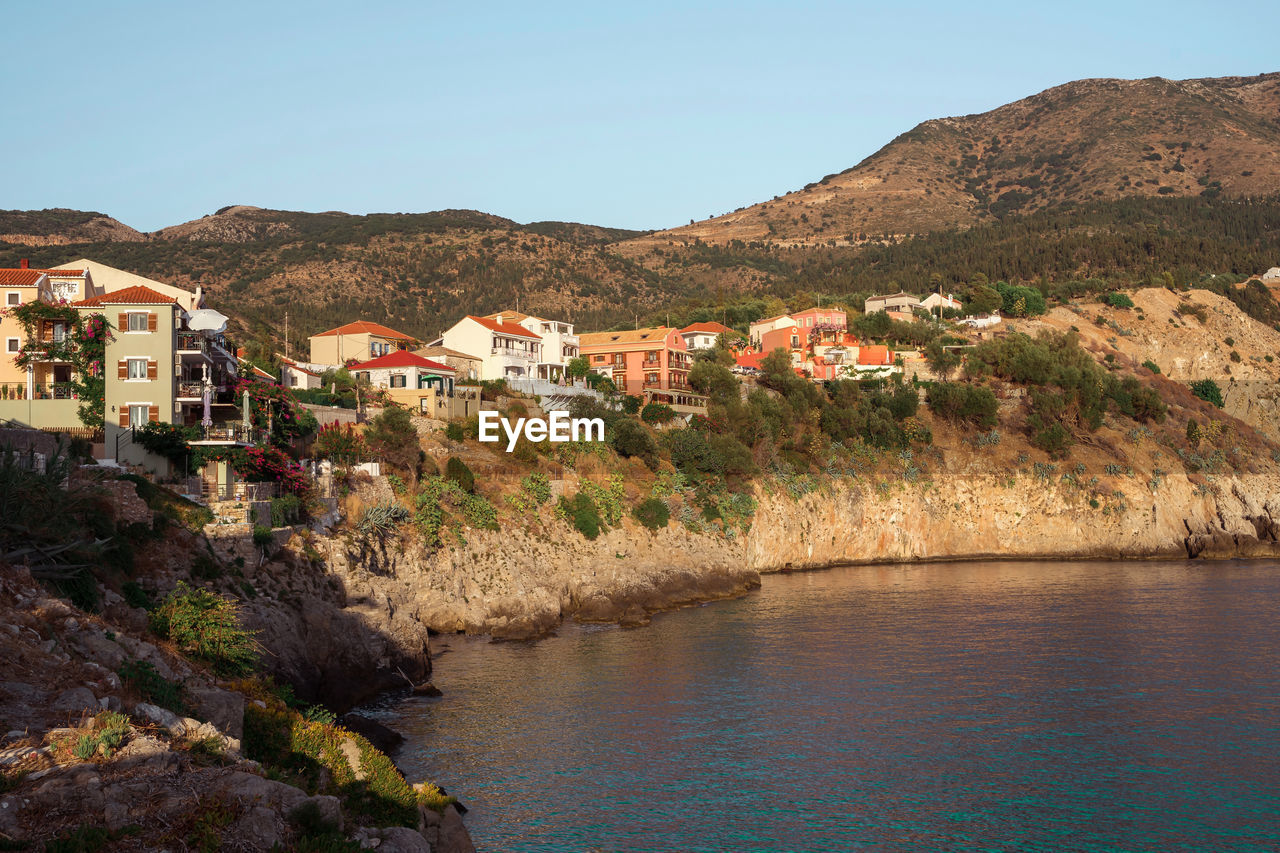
653, 362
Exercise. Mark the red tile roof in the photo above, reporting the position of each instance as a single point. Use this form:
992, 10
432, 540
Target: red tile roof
402, 358
128, 296
751, 359
20, 278
362, 327
711, 328
504, 328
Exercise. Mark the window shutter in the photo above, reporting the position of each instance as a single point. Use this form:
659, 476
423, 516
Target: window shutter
124, 322
124, 416
153, 413
124, 369
152, 367
151, 321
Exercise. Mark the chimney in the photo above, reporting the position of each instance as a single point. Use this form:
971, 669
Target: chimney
23, 264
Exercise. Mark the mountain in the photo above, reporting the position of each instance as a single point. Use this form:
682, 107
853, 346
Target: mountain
1083, 141
61, 226
1121, 182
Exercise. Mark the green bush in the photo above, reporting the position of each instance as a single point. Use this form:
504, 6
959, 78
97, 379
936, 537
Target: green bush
455, 432
581, 512
1116, 299
629, 438
207, 628
392, 438
631, 403
143, 677
286, 510
262, 536
1151, 365
657, 413
652, 513
1208, 390
456, 471
973, 404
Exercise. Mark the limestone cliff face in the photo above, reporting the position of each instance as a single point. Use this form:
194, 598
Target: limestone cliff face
1015, 517
520, 583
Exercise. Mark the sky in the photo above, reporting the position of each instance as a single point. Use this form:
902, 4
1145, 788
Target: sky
619, 114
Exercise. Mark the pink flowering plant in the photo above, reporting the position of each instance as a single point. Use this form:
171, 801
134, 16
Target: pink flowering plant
275, 405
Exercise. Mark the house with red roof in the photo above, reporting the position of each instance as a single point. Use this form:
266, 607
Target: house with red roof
506, 350
295, 375
704, 335
356, 342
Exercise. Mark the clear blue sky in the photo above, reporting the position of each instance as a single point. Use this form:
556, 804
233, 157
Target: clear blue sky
631, 115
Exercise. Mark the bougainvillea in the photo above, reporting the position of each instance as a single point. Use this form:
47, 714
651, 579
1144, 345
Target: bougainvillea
340, 443
274, 406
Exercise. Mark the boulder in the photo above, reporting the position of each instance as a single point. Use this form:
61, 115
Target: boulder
76, 699
166, 720
223, 708
453, 837
384, 739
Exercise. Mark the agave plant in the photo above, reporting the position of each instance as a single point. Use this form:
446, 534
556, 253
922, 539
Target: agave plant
382, 518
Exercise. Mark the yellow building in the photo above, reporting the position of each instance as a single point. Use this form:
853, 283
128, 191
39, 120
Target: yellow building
356, 342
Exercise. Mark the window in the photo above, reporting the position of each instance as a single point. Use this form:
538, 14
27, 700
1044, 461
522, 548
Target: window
293, 380
13, 297
138, 321
59, 332
398, 380
139, 414
13, 345
137, 368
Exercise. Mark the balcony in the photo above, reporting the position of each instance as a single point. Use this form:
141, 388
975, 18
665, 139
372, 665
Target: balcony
231, 432
520, 355
40, 391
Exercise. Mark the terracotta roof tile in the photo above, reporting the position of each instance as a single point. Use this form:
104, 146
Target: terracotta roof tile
401, 358
504, 328
128, 296
361, 327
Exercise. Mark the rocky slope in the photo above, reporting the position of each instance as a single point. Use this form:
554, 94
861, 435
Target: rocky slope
86, 763
1085, 140
60, 227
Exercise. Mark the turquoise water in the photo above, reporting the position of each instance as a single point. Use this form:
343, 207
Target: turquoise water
969, 707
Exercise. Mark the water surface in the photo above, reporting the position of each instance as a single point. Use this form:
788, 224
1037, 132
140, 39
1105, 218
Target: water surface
982, 706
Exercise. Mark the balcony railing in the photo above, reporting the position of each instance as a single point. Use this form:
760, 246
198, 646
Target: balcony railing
40, 391
523, 355
231, 432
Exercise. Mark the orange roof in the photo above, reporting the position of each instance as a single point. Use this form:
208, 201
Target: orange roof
875, 354
751, 359
364, 327
401, 358
20, 278
711, 328
504, 328
827, 310
128, 296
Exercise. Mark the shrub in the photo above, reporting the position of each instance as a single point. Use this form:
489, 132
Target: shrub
206, 627
1208, 390
262, 536
455, 432
285, 510
629, 438
974, 404
456, 471
652, 513
392, 438
631, 403
581, 512
340, 443
1118, 300
1151, 365
657, 413
142, 677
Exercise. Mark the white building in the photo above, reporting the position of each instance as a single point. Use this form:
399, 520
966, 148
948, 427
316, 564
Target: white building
760, 327
935, 302
295, 375
505, 350
981, 322
900, 301
559, 343
704, 335
403, 369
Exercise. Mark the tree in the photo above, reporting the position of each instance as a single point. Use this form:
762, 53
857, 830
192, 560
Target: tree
578, 368
941, 360
983, 299
339, 443
392, 438
1208, 390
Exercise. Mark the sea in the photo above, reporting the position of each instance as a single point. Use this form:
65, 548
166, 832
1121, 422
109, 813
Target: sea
989, 706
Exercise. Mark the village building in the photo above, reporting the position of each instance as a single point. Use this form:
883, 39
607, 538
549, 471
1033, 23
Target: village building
465, 367
758, 328
296, 375
936, 302
506, 350
653, 363
356, 342
704, 335
899, 301
559, 342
